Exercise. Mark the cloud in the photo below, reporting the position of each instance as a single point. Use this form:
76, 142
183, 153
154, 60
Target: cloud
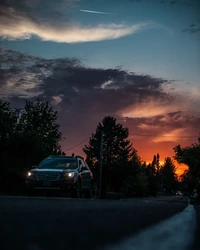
149, 108
20, 25
56, 100
157, 119
123, 93
24, 75
96, 12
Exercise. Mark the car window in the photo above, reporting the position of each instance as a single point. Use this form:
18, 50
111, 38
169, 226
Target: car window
83, 163
80, 162
58, 164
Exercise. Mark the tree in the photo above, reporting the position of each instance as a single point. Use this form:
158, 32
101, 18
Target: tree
8, 125
190, 156
168, 175
153, 174
26, 137
38, 131
156, 163
186, 182
117, 151
136, 182
116, 146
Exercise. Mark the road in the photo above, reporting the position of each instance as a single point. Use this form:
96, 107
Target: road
47, 223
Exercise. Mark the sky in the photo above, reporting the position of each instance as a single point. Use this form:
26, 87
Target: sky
135, 60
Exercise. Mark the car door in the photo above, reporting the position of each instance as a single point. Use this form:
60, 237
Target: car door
86, 178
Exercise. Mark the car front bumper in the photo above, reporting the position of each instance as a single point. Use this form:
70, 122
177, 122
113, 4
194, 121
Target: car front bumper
50, 185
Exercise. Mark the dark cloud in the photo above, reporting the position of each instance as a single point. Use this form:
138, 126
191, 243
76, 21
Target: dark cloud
35, 11
83, 96
73, 86
34, 6
68, 77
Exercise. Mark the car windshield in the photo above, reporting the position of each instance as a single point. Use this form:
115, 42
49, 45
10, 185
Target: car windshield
52, 163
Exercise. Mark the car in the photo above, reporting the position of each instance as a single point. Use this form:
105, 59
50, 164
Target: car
179, 193
61, 173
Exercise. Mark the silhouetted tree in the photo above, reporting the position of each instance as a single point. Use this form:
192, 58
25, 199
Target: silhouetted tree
136, 182
38, 132
26, 137
116, 146
152, 179
168, 176
153, 173
8, 124
117, 151
191, 157
186, 182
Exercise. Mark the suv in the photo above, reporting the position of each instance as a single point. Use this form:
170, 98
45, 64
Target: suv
62, 173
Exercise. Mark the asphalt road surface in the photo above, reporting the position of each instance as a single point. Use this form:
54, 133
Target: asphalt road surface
47, 223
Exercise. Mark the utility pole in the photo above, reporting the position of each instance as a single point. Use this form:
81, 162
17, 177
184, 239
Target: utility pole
100, 166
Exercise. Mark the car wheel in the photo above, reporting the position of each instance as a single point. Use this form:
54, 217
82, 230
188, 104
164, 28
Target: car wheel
88, 193
76, 191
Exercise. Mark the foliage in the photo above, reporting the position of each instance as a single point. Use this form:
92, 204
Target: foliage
38, 131
136, 182
26, 137
190, 156
169, 178
116, 146
8, 127
117, 151
186, 182
153, 175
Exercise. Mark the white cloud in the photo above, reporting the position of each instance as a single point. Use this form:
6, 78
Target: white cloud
104, 85
27, 88
148, 109
57, 99
14, 26
171, 136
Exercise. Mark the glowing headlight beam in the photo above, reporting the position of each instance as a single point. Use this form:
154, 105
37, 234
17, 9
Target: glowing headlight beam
71, 174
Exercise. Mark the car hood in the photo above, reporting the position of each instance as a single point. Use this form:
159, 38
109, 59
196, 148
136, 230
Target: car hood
52, 170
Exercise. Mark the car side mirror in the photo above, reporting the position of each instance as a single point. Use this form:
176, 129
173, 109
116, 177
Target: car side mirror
34, 166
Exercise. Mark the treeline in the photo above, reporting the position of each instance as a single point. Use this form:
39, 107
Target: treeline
30, 134
190, 156
27, 136
123, 170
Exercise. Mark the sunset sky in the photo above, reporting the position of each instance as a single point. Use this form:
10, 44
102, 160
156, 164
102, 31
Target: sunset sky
136, 60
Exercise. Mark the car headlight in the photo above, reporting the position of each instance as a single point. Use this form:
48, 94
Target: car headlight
71, 174
29, 174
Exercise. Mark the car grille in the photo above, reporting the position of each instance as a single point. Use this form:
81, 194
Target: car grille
47, 177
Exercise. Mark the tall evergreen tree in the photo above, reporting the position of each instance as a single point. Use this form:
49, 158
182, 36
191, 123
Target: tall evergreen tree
116, 146
117, 151
168, 175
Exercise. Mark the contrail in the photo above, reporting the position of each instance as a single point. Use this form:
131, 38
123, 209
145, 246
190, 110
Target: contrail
96, 12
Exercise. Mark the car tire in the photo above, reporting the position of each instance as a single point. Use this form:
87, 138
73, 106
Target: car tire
76, 191
89, 193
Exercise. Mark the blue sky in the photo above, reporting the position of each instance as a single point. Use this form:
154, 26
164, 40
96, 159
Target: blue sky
146, 53
160, 48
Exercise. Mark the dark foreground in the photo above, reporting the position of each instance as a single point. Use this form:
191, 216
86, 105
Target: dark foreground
63, 223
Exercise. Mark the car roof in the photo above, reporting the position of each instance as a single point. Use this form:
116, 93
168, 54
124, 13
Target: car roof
65, 156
